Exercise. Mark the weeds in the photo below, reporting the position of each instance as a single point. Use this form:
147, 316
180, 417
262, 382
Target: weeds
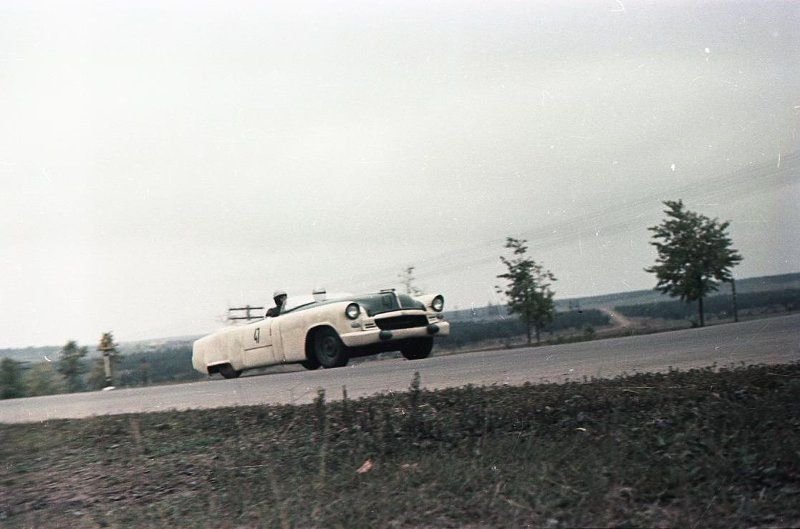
715, 447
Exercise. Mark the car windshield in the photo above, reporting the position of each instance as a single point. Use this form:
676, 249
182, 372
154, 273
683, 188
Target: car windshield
407, 302
387, 302
296, 302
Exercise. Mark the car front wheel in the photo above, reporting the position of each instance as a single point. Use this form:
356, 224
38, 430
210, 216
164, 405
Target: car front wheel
310, 364
417, 349
329, 349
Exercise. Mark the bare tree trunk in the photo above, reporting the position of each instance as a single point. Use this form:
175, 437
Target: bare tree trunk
528, 331
537, 335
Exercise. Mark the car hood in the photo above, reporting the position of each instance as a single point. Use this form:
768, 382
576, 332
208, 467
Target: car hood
372, 304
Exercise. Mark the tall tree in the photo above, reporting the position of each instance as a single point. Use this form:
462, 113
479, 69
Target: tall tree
11, 385
71, 365
694, 255
528, 289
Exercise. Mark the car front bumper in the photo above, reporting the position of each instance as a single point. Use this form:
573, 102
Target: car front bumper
363, 338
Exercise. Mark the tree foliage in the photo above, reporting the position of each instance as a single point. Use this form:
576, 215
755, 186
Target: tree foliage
528, 289
42, 379
694, 254
71, 365
111, 359
170, 363
97, 374
11, 386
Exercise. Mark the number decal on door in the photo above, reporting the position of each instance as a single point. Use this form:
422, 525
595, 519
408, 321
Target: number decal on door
257, 335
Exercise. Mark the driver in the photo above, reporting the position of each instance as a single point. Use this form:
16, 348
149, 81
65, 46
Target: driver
279, 297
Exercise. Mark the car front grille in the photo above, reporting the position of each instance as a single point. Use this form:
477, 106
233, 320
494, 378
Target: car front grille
401, 322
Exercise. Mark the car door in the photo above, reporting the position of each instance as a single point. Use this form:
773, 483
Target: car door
257, 342
290, 331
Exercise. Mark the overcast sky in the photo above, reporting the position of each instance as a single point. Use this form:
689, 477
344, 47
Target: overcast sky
161, 161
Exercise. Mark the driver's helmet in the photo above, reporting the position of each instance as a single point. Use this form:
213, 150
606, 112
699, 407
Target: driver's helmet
277, 295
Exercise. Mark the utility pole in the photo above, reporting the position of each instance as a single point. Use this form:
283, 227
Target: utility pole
735, 308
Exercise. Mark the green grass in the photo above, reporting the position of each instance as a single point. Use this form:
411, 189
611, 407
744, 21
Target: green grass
703, 448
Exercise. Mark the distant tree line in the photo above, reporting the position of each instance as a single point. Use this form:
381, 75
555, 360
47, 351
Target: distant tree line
74, 372
786, 300
160, 366
473, 332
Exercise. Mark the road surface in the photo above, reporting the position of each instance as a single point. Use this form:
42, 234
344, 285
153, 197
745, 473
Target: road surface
772, 340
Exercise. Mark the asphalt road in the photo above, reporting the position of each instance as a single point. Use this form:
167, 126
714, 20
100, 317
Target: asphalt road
772, 340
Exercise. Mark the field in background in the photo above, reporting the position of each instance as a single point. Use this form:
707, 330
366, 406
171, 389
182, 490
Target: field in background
625, 313
750, 304
635, 297
707, 448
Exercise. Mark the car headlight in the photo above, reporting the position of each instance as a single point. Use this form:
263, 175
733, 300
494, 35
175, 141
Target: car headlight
437, 303
352, 311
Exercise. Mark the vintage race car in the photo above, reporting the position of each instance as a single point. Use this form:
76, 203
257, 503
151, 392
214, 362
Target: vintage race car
326, 331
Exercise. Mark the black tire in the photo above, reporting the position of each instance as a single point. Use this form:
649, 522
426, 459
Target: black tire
311, 364
417, 348
329, 349
227, 371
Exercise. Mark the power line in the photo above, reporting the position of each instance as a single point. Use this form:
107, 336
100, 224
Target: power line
608, 220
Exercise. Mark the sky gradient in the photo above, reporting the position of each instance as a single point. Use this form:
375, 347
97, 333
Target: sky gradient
161, 161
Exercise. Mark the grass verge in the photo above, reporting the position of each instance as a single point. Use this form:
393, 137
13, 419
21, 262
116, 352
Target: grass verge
702, 448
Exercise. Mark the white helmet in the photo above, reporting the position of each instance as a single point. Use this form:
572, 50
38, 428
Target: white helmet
278, 293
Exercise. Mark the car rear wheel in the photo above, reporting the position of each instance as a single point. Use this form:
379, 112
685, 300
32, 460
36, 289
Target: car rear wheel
417, 349
228, 371
329, 349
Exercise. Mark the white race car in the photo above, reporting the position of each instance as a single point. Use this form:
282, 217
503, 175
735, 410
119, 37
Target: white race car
326, 332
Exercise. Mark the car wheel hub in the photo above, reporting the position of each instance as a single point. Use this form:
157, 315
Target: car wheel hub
328, 347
